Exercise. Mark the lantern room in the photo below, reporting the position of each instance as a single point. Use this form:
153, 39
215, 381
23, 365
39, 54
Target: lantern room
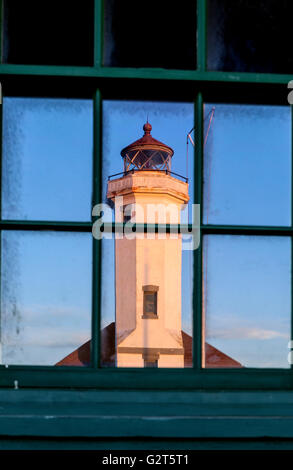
147, 153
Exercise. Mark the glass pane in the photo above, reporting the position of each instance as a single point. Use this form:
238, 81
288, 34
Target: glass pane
45, 298
108, 335
63, 32
47, 159
150, 302
155, 35
250, 36
247, 158
171, 122
247, 301
167, 334
161, 265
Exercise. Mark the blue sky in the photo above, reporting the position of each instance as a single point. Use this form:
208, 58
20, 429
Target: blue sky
46, 277
248, 165
47, 172
247, 297
46, 295
47, 169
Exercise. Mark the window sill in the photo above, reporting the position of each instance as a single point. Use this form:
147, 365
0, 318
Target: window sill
145, 414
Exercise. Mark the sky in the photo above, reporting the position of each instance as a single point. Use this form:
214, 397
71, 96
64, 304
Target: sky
248, 165
247, 297
46, 295
47, 169
46, 277
247, 180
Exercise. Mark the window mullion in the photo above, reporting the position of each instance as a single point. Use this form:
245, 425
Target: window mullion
38, 225
291, 226
1, 155
261, 230
1, 30
97, 258
197, 269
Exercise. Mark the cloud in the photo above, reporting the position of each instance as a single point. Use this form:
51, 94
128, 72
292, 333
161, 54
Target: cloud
245, 333
37, 311
52, 337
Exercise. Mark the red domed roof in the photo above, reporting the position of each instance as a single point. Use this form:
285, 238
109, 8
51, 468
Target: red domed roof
147, 143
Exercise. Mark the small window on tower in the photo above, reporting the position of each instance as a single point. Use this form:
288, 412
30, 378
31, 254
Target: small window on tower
150, 359
150, 300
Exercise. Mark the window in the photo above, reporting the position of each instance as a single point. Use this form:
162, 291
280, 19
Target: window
150, 300
216, 99
150, 277
171, 28
43, 174
248, 147
264, 49
46, 275
151, 359
63, 31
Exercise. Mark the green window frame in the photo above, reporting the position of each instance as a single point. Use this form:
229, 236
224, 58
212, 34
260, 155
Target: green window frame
193, 85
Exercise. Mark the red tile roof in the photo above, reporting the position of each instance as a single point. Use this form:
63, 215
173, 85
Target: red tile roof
81, 356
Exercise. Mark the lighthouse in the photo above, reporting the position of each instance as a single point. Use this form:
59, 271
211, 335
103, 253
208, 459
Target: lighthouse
148, 265
147, 329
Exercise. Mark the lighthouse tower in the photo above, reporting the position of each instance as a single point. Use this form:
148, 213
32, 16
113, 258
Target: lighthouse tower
148, 265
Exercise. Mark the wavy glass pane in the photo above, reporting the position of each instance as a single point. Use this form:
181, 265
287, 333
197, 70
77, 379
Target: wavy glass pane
176, 308
152, 35
141, 263
49, 33
247, 164
123, 124
250, 36
47, 159
45, 298
247, 301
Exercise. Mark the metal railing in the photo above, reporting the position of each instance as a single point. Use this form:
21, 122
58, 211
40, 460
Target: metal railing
167, 172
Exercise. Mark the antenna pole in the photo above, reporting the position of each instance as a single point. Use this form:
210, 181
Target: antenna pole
187, 158
210, 122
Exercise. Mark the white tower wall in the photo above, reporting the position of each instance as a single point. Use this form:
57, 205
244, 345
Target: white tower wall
149, 262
